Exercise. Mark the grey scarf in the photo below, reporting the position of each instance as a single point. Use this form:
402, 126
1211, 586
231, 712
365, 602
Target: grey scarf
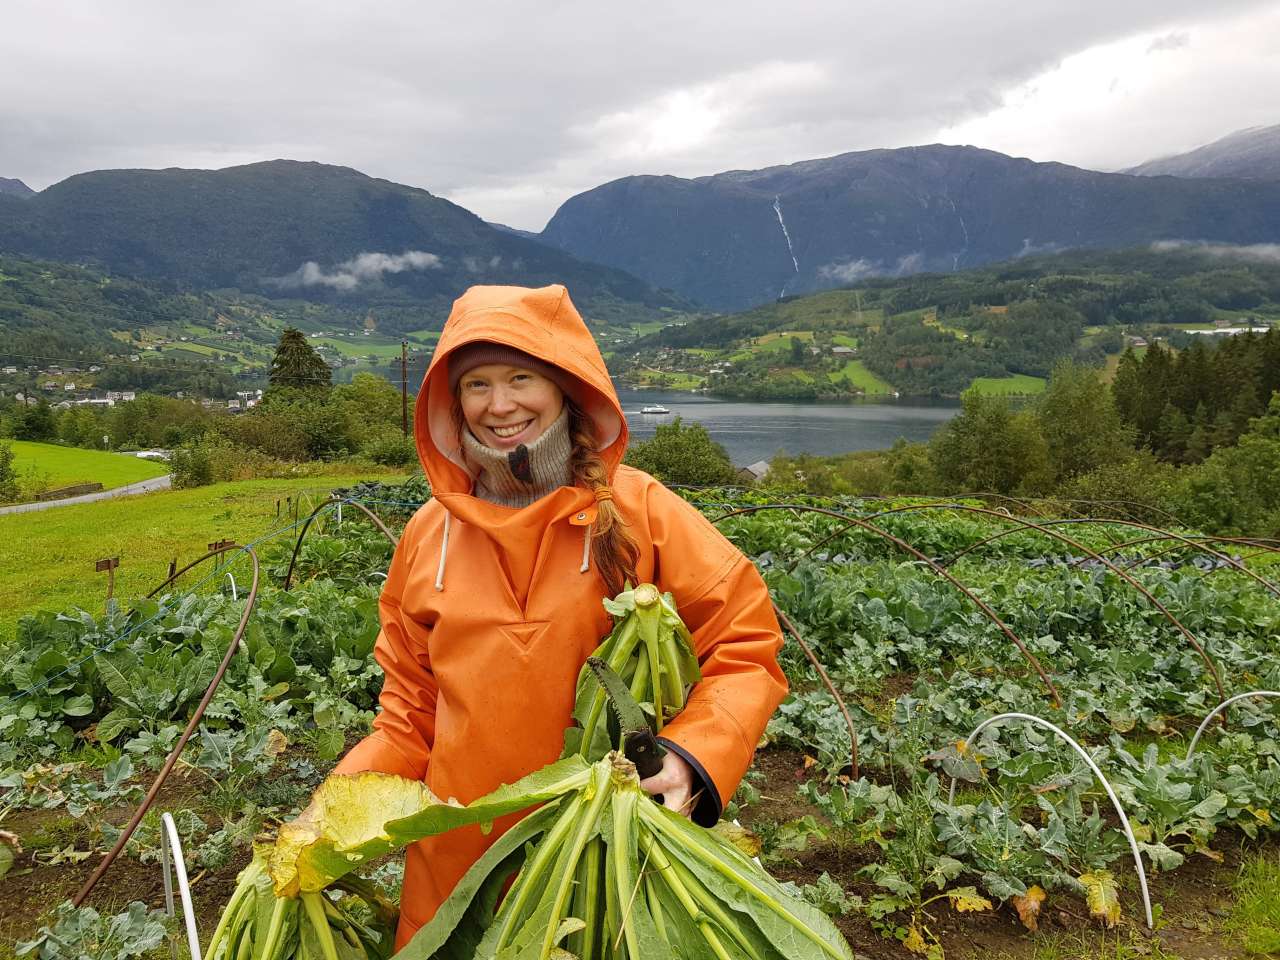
516, 479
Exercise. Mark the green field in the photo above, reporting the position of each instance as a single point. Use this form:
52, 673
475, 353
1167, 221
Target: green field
1017, 385
362, 346
66, 466
146, 532
861, 377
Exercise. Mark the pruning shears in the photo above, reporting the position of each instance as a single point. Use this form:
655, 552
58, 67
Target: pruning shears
639, 745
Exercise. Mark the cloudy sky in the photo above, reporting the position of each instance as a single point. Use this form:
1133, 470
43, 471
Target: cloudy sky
509, 108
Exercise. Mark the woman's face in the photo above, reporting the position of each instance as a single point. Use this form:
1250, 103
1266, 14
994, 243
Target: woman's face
506, 406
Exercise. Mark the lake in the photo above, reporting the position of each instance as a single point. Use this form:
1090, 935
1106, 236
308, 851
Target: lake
753, 431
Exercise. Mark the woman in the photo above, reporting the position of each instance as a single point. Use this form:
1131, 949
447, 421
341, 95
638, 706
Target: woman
492, 601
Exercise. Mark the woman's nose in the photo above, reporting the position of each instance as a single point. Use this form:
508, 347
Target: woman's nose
501, 400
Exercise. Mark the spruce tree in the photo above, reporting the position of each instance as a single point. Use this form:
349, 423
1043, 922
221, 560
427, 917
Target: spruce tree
296, 363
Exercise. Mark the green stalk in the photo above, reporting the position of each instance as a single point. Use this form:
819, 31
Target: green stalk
624, 803
628, 636
587, 823
267, 949
712, 907
243, 889
244, 950
671, 668
653, 850
655, 908
665, 827
587, 898
320, 923
530, 877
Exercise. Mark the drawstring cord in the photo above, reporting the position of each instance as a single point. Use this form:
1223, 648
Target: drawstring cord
586, 549
444, 550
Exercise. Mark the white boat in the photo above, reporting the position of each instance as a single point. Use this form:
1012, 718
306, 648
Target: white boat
654, 408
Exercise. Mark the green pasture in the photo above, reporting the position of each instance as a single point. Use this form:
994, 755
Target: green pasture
60, 545
861, 377
1017, 385
67, 466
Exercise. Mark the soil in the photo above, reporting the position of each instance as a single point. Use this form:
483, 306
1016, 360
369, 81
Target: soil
1194, 898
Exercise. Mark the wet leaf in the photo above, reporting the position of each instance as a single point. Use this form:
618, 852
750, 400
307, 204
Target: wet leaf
1102, 895
1028, 907
968, 900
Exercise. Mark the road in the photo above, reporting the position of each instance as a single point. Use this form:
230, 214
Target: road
142, 486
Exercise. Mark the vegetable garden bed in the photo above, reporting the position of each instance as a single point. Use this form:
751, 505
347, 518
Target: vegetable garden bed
918, 665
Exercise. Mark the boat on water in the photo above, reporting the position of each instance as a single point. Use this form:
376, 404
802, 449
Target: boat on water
654, 408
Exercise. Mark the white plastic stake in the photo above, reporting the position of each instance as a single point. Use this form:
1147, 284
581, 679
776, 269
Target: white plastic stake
1204, 724
171, 855
1115, 801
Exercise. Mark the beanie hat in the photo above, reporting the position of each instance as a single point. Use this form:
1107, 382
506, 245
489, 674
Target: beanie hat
480, 352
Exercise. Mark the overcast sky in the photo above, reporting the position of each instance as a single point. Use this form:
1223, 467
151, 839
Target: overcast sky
509, 108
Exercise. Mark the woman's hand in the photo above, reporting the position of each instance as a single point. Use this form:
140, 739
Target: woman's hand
675, 781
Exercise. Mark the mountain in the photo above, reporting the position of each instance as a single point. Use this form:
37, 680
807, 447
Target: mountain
15, 188
746, 237
298, 229
1251, 154
527, 234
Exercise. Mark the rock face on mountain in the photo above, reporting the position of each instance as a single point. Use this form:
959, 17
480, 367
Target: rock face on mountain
1251, 154
292, 228
749, 236
15, 188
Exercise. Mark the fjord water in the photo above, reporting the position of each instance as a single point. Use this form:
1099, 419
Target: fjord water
753, 431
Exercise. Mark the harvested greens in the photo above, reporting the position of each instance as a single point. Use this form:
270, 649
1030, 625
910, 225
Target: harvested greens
600, 871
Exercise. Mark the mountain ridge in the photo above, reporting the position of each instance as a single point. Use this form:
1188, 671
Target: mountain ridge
318, 231
1252, 153
744, 237
15, 188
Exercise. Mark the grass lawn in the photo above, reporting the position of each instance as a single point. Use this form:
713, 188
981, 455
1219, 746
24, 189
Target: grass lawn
59, 546
860, 376
66, 466
1255, 918
1017, 385
844, 340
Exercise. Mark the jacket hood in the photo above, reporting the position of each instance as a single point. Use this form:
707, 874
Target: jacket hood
542, 322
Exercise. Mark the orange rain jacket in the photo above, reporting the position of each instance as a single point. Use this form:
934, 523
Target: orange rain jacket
489, 612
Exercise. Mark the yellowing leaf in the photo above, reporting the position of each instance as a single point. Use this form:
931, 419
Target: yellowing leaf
915, 941
968, 900
1102, 895
739, 836
809, 761
961, 747
1263, 816
1028, 907
277, 743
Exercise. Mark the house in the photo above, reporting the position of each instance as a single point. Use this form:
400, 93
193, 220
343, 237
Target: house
843, 351
10, 370
754, 472
121, 396
233, 404
69, 387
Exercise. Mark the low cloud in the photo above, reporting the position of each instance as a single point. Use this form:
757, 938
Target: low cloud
1030, 249
1170, 41
1253, 252
480, 264
851, 271
362, 267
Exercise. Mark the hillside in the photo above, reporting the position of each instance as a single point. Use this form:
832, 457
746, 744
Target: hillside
747, 237
285, 228
1251, 154
999, 329
15, 188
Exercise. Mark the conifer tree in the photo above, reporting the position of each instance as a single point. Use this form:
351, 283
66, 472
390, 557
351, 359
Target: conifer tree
296, 363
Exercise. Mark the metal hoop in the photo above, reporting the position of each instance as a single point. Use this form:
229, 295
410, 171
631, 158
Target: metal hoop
171, 856
1115, 801
1218, 709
